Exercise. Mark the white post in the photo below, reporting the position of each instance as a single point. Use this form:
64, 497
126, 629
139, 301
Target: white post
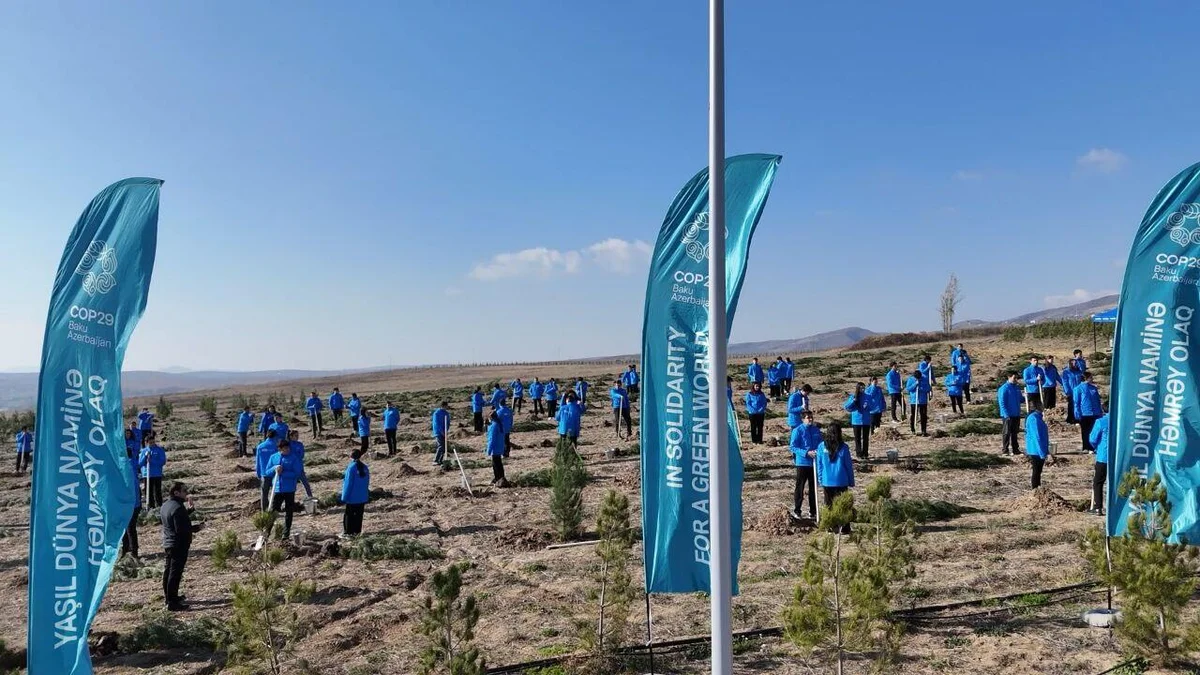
720, 583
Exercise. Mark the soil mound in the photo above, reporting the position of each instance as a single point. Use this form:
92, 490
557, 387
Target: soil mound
1042, 501
777, 522
405, 470
523, 539
629, 477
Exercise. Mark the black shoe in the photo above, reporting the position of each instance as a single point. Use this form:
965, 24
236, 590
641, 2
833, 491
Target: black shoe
178, 607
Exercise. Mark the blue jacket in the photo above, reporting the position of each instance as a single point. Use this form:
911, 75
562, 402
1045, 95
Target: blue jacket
137, 437
137, 481
629, 377
154, 458
1008, 398
918, 390
281, 430
535, 389
926, 368
495, 439
24, 442
314, 404
364, 426
1082, 364
804, 438
729, 393
797, 403
1052, 376
265, 422
789, 370
337, 401
1070, 380
837, 471
354, 405
581, 388
506, 417
1099, 440
498, 396
1030, 376
146, 420
551, 391
893, 381
569, 417
953, 384
773, 375
245, 420
284, 481
477, 401
964, 368
620, 398
858, 407
875, 402
391, 418
1037, 436
262, 455
756, 402
755, 373
439, 422
954, 354
297, 451
356, 489
518, 389
133, 449
1087, 401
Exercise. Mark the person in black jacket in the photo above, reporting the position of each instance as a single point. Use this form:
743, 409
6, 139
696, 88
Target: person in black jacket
177, 541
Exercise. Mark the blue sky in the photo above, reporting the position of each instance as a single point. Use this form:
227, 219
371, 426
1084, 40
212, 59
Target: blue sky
353, 185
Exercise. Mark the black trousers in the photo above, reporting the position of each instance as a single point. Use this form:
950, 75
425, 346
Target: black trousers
130, 540
22, 461
364, 444
620, 414
786, 384
477, 419
1033, 401
805, 480
1085, 431
537, 408
285, 501
354, 424
337, 415
517, 403
756, 427
1070, 409
876, 421
352, 519
1035, 475
918, 410
154, 494
862, 440
551, 408
967, 391
897, 401
1050, 394
830, 494
574, 439
243, 443
633, 392
174, 562
956, 404
439, 451
774, 389
1010, 427
507, 444
316, 423
1099, 477
264, 489
390, 435
497, 468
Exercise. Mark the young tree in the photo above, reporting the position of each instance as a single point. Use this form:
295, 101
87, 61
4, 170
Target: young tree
567, 477
814, 616
1155, 578
615, 592
265, 625
449, 623
948, 303
164, 408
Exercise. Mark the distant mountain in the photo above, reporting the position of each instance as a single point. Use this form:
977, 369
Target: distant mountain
1078, 311
834, 339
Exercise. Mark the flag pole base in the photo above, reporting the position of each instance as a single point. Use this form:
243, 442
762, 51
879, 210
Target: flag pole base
1102, 618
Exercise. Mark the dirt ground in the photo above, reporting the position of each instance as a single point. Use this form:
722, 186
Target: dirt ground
365, 613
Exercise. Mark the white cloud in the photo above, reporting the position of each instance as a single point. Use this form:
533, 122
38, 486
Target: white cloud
614, 255
1074, 297
1102, 160
968, 175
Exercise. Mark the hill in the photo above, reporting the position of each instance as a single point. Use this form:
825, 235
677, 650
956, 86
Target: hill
1077, 311
834, 339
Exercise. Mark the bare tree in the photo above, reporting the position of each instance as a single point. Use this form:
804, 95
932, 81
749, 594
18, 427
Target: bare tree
949, 302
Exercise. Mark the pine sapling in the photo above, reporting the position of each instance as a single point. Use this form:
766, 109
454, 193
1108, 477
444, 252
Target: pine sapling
567, 477
615, 591
266, 625
448, 621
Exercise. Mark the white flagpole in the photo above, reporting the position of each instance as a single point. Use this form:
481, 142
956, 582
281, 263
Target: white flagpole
720, 562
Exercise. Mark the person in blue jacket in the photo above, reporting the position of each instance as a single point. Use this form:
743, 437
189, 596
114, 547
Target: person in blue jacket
244, 421
1099, 441
1033, 376
773, 377
391, 422
152, 461
570, 417
620, 409
25, 448
1037, 446
316, 422
1087, 409
581, 389
551, 397
477, 403
439, 424
1071, 378
789, 374
280, 427
729, 388
337, 405
129, 541
797, 404
1050, 384
265, 421
964, 372
756, 410
954, 391
356, 491
535, 395
1008, 400
498, 396
137, 434
835, 469
860, 419
755, 373
145, 423
895, 390
518, 393
505, 414
805, 439
364, 430
631, 381
876, 402
926, 368
284, 470
1079, 360
262, 457
918, 388
495, 448
297, 449
954, 352
354, 408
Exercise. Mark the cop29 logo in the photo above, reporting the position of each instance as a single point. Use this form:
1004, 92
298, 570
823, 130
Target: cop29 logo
1178, 219
97, 268
695, 237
